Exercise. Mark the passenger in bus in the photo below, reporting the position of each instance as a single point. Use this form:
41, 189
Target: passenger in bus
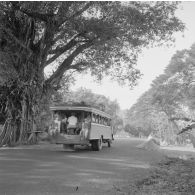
72, 121
63, 126
78, 125
93, 118
78, 128
85, 127
97, 119
87, 122
88, 119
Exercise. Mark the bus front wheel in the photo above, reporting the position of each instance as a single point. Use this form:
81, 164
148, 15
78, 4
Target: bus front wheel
96, 144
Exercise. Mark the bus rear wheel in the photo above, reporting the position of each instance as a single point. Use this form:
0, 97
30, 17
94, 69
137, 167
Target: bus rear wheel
68, 146
96, 144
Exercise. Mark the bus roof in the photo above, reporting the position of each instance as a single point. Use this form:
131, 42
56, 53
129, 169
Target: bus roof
81, 108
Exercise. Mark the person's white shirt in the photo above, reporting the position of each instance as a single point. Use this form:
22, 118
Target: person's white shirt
57, 124
72, 121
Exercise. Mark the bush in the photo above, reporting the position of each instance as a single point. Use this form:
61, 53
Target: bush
171, 176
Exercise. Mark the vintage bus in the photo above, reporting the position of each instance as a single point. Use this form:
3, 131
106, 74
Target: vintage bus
92, 126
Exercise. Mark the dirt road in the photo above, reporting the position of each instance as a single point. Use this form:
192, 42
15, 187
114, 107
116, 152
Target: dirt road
50, 170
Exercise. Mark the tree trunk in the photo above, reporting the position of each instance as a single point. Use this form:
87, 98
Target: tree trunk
9, 133
27, 121
17, 132
23, 91
22, 120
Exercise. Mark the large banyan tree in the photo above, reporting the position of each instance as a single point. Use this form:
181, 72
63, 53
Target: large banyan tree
103, 37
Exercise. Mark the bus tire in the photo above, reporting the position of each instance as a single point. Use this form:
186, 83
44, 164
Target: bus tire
96, 144
66, 146
71, 146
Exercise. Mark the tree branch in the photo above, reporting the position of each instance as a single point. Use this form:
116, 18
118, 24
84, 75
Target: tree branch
66, 64
181, 119
37, 15
66, 47
77, 13
82, 10
187, 128
61, 50
79, 66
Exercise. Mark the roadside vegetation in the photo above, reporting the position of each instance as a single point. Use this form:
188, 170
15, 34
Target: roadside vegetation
168, 106
172, 176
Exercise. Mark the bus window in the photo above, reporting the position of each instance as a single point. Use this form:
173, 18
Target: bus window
106, 121
97, 119
93, 118
101, 120
109, 122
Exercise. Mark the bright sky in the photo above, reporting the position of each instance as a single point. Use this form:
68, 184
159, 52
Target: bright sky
151, 63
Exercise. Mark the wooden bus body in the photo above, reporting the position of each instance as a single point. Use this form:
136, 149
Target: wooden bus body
93, 127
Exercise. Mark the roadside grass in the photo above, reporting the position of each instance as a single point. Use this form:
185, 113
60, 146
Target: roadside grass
172, 176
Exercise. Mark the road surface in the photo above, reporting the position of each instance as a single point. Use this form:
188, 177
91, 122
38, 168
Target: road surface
51, 170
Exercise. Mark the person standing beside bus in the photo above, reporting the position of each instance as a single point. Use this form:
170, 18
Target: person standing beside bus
85, 127
57, 122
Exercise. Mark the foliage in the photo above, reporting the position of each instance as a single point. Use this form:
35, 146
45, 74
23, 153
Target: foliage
90, 98
171, 176
169, 104
87, 97
117, 123
104, 37
137, 130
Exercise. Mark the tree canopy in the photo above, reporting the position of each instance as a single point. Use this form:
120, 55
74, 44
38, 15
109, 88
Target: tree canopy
169, 104
104, 37
65, 36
